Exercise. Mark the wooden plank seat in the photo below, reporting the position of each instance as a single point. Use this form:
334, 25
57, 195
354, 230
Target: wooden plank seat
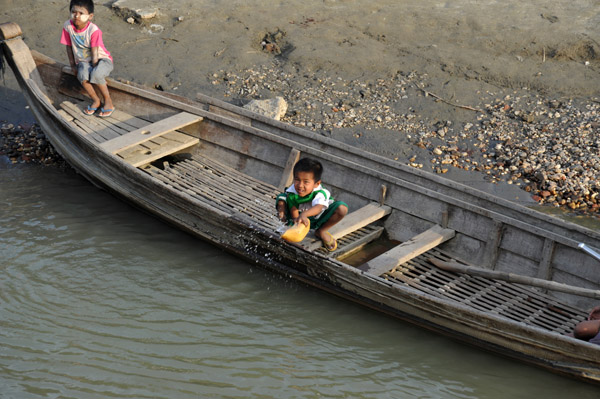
407, 250
353, 221
133, 139
149, 132
160, 147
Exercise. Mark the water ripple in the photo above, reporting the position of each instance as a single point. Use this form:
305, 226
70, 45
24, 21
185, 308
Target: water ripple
101, 301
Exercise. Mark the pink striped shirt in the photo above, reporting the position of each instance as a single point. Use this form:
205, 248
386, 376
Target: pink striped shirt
82, 41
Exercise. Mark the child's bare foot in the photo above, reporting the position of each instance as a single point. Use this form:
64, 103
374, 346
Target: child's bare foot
92, 108
106, 111
329, 242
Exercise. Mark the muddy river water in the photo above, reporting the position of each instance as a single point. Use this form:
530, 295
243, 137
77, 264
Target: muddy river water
99, 300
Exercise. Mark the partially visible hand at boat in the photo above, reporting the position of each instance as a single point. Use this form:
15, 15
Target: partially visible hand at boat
595, 313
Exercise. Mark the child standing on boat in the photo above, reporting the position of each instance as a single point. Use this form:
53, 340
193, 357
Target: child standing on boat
88, 56
308, 202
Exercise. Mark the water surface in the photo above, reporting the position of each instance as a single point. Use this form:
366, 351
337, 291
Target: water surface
99, 300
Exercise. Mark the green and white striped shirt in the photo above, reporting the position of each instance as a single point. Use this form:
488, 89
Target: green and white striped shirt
319, 196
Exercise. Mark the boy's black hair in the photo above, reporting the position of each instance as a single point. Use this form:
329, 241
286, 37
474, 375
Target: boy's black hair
309, 165
87, 4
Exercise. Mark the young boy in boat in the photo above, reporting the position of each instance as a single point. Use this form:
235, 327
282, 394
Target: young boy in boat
88, 56
308, 202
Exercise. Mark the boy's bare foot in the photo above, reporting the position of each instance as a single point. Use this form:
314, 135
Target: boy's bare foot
329, 242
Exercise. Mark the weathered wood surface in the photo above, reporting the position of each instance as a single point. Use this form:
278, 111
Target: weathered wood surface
407, 250
145, 154
353, 221
149, 132
515, 278
288, 172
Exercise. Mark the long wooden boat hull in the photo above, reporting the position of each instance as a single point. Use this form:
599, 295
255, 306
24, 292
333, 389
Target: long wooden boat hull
220, 185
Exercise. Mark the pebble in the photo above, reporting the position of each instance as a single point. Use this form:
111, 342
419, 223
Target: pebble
27, 144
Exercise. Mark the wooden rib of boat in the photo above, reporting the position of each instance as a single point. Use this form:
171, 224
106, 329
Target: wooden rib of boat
213, 169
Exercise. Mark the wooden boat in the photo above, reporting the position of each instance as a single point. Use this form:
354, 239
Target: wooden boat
213, 169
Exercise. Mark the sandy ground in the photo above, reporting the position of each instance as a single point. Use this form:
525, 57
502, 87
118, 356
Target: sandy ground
467, 53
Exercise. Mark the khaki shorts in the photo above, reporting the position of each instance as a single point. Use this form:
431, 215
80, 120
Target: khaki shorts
96, 75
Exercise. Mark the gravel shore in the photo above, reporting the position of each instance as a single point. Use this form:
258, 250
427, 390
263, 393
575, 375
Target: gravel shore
549, 147
503, 91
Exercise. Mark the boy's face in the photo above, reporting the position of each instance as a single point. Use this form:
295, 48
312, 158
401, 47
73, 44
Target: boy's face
304, 183
80, 16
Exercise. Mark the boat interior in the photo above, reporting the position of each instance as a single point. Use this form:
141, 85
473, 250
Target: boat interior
180, 151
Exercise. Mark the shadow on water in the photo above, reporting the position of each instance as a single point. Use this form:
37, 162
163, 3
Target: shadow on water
13, 107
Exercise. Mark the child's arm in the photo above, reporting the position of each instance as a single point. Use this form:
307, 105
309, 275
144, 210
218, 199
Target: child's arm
303, 217
281, 210
94, 56
71, 58
294, 213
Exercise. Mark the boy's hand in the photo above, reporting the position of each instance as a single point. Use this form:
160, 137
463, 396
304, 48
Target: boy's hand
302, 219
281, 215
594, 313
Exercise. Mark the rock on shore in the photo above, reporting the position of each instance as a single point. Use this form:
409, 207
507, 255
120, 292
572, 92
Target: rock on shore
27, 144
136, 9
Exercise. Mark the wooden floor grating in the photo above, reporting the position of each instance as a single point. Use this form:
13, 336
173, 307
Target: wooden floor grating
231, 191
508, 300
223, 188
349, 240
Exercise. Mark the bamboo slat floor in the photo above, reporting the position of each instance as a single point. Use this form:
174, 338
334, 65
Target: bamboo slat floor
515, 302
225, 188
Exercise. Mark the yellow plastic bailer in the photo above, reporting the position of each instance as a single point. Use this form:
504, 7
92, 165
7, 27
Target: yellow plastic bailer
296, 233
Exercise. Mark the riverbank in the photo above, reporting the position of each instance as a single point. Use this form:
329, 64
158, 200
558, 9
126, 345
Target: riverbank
500, 96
